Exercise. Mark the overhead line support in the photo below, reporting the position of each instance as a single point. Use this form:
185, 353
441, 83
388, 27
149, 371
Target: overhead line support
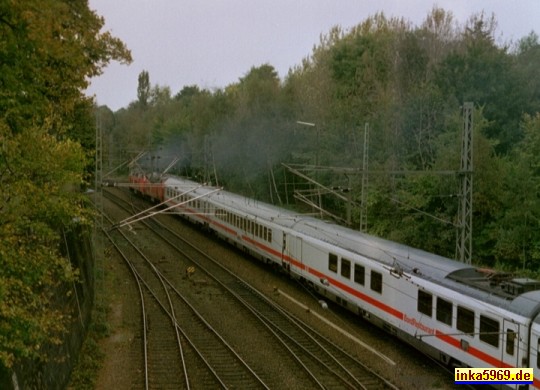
464, 230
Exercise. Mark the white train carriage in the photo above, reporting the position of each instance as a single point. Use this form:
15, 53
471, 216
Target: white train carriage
453, 312
231, 216
449, 310
534, 350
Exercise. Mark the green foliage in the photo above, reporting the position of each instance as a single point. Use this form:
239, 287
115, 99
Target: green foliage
480, 71
48, 51
408, 83
143, 89
91, 358
38, 187
517, 233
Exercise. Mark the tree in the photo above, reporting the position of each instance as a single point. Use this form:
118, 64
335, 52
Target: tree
143, 89
408, 83
526, 60
39, 179
480, 71
515, 233
49, 50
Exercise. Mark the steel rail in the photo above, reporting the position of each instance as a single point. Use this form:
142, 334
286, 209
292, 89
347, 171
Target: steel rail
143, 309
329, 361
167, 285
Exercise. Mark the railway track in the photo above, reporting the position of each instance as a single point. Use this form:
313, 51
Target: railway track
321, 362
160, 342
175, 335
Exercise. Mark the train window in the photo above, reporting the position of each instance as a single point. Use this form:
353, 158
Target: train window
269, 235
346, 268
265, 231
465, 320
425, 303
489, 330
332, 262
510, 341
444, 311
376, 281
359, 274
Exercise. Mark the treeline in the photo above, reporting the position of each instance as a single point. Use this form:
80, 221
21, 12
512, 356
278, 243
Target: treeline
48, 51
408, 83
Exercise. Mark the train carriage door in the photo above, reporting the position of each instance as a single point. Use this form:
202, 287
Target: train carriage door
511, 347
293, 251
534, 350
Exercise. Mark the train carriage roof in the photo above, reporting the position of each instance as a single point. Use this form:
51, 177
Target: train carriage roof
521, 296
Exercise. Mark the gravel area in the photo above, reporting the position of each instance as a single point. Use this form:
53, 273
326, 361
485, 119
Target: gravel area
123, 355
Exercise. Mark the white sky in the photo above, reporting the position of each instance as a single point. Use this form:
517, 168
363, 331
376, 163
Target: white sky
212, 43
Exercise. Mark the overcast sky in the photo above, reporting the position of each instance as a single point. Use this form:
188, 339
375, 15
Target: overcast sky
212, 43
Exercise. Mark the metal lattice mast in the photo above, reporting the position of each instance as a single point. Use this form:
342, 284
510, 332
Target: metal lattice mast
363, 204
464, 224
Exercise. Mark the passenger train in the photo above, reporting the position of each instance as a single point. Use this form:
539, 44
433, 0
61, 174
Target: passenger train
456, 313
